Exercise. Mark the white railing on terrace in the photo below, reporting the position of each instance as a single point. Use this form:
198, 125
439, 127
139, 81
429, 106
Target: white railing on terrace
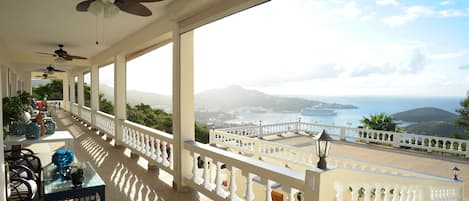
74, 109
51, 104
85, 114
298, 158
213, 167
222, 175
105, 122
154, 145
258, 179
395, 139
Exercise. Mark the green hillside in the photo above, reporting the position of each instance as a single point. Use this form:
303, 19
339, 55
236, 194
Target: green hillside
436, 128
424, 114
234, 97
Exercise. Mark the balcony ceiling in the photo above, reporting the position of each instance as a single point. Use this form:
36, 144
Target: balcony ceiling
30, 26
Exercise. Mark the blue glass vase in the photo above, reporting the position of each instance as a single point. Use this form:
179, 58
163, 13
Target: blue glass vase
62, 159
33, 131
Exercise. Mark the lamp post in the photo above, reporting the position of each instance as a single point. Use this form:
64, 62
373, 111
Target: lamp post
455, 173
323, 144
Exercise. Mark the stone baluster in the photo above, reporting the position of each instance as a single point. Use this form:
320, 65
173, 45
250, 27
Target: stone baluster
233, 186
290, 193
367, 193
403, 193
207, 183
195, 177
355, 192
397, 189
148, 145
249, 194
219, 181
410, 194
158, 147
339, 191
378, 194
268, 190
387, 193
153, 150
166, 157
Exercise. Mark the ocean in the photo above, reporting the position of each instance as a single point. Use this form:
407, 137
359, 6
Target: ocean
351, 117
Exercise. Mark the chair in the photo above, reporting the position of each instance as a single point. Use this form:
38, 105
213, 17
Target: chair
20, 183
26, 158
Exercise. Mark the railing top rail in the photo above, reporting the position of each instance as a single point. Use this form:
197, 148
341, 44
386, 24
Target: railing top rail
386, 176
410, 171
85, 108
75, 104
167, 137
105, 114
434, 137
263, 169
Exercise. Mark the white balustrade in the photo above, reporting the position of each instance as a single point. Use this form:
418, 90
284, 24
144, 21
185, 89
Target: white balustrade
154, 145
75, 109
357, 185
85, 114
238, 166
395, 139
105, 123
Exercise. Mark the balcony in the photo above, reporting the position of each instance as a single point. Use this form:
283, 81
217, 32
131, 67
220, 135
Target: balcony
285, 168
265, 162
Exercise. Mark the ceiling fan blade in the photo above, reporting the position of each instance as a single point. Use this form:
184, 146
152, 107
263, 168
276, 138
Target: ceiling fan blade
133, 7
148, 1
84, 5
46, 54
57, 70
76, 57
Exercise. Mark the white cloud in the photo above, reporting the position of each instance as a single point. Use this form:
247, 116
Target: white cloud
387, 2
450, 55
464, 67
454, 13
349, 10
367, 18
411, 13
418, 61
444, 3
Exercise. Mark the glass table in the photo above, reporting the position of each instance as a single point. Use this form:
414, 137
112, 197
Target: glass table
56, 188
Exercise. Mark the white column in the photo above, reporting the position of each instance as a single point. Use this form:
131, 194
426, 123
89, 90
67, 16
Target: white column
2, 162
14, 84
183, 103
4, 78
120, 95
65, 92
81, 93
72, 90
27, 86
94, 93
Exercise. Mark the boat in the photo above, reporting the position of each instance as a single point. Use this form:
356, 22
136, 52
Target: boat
317, 112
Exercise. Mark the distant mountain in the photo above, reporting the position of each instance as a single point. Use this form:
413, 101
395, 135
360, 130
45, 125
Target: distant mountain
136, 97
435, 128
226, 99
235, 97
425, 114
430, 121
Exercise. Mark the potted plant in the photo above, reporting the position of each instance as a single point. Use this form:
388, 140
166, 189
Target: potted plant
15, 118
12, 111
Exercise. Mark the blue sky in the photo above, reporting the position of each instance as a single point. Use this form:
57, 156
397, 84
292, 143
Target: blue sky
325, 48
339, 48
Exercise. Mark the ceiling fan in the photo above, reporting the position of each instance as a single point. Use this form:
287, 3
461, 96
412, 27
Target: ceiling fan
45, 76
111, 8
63, 55
51, 70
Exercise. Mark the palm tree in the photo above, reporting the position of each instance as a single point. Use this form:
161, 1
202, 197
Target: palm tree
379, 121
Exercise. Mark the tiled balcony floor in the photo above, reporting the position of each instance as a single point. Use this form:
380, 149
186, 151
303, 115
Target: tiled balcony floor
125, 179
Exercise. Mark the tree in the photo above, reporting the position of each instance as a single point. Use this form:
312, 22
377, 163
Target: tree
380, 121
105, 105
463, 120
51, 91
